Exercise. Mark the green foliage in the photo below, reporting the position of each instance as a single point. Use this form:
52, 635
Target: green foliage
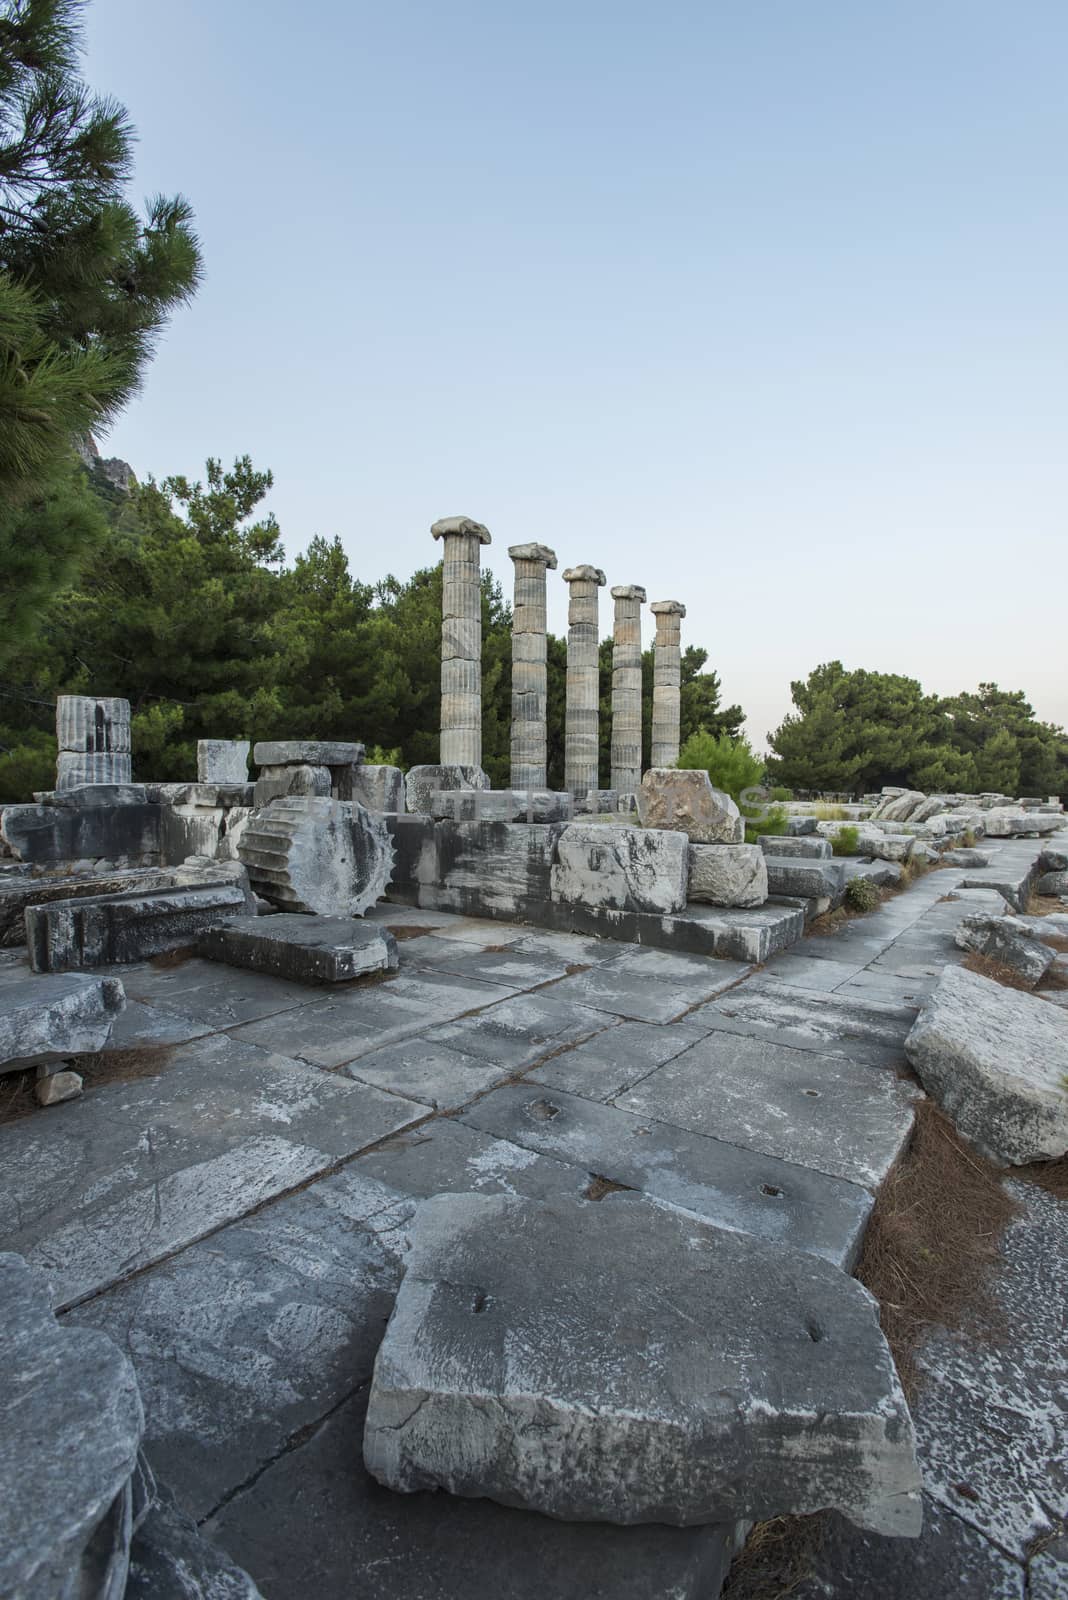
773, 821
29, 766
781, 794
86, 284
730, 763
845, 841
861, 895
825, 811
856, 731
699, 707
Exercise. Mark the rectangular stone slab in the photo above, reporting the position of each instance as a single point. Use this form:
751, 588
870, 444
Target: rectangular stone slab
306, 752
16, 895
627, 1363
810, 879
71, 934
822, 1112
50, 1018
302, 949
719, 1182
864, 1030
806, 846
47, 835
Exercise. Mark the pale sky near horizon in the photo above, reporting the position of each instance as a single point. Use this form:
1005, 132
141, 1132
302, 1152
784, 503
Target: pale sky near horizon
760, 305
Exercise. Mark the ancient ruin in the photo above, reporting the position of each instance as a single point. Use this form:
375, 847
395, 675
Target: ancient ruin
627, 688
461, 640
530, 696
667, 678
581, 747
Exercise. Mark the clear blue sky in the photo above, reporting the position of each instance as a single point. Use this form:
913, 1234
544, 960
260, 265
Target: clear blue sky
761, 305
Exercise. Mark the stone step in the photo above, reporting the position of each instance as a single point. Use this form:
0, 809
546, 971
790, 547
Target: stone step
71, 934
301, 948
808, 846
810, 880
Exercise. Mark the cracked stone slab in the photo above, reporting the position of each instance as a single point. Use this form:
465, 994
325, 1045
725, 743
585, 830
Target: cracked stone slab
612, 1062
513, 966
440, 1077
864, 1030
824, 1112
362, 1538
221, 999
651, 985
760, 1385
170, 1559
70, 1429
112, 1182
743, 1190
517, 1032
245, 1338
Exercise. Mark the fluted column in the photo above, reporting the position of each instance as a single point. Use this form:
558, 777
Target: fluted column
627, 688
667, 676
583, 683
529, 672
461, 640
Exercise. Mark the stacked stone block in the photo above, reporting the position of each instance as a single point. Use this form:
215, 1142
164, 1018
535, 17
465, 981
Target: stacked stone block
93, 738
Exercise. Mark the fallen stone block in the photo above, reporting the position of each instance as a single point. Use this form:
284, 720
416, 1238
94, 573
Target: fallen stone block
309, 853
884, 874
18, 893
52, 1088
100, 794
966, 858
1013, 884
1053, 883
1053, 860
728, 874
306, 752
170, 1559
222, 760
379, 788
301, 948
501, 805
69, 935
807, 879
808, 846
47, 835
798, 827
600, 802
70, 1429
1006, 940
625, 869
53, 1018
422, 783
995, 1059
685, 802
902, 807
564, 1375
1007, 822
278, 783
208, 820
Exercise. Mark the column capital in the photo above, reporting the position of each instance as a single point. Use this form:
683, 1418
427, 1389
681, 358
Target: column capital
628, 591
668, 608
533, 552
584, 575
463, 526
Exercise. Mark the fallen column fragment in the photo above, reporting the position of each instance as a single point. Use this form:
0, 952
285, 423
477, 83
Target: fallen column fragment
51, 1018
68, 935
301, 948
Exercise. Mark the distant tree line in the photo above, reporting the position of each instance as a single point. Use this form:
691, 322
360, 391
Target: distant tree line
855, 731
186, 607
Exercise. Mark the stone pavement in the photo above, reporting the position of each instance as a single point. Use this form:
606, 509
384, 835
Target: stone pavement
235, 1214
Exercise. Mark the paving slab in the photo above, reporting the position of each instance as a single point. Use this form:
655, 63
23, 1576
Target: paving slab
512, 966
440, 1077
363, 1539
734, 1188
611, 1062
802, 971
890, 986
344, 1026
222, 998
869, 1030
822, 1112
948, 1559
247, 1337
515, 1033
651, 985
146, 1027
113, 1181
758, 1385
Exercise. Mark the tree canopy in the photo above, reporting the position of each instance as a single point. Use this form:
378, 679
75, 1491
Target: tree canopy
856, 731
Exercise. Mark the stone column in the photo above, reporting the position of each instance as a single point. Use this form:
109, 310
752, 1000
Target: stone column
461, 640
529, 673
581, 722
93, 740
627, 689
667, 675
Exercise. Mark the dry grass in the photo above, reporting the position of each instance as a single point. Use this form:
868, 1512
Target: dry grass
173, 958
123, 1066
408, 930
987, 967
776, 1559
16, 1095
1049, 1175
933, 1238
1044, 905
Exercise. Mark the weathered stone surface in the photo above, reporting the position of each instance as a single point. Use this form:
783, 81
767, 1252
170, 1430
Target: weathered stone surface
89, 724
812, 879
501, 805
379, 788
222, 760
329, 857
499, 869
300, 948
461, 639
667, 678
685, 801
808, 846
422, 783
798, 827
901, 807
581, 716
1006, 940
728, 874
19, 892
47, 835
761, 1385
51, 1018
744, 1190
1008, 822
170, 1559
70, 1427
529, 669
278, 783
69, 935
307, 752
101, 794
963, 857
1053, 860
627, 688
626, 869
1052, 883
995, 1059
55, 1087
